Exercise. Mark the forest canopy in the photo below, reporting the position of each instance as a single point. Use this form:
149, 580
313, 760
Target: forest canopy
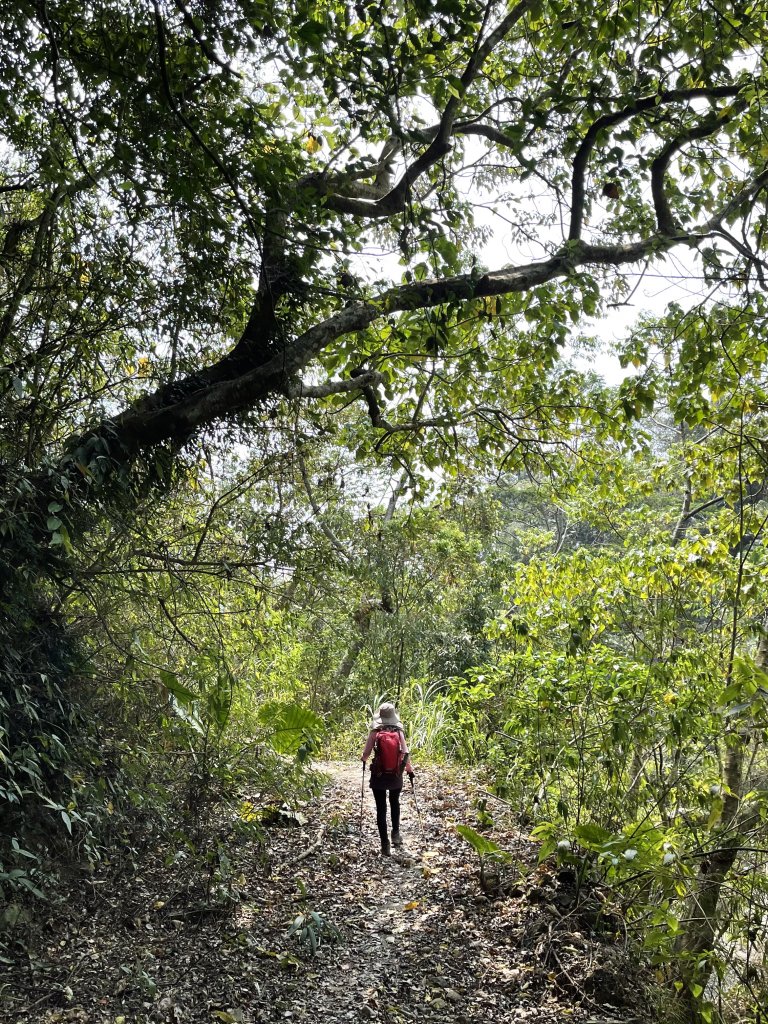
290, 418
213, 212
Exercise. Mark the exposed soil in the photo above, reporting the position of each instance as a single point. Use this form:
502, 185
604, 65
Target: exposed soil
407, 938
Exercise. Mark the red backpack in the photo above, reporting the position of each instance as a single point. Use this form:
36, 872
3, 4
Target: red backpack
386, 759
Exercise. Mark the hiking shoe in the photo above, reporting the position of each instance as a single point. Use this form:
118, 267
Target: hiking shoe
396, 840
385, 850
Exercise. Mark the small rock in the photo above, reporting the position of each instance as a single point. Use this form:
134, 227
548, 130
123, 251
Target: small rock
452, 994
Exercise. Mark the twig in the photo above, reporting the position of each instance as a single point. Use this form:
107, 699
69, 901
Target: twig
308, 852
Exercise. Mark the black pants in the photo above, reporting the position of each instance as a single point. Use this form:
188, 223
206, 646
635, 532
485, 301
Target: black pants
380, 796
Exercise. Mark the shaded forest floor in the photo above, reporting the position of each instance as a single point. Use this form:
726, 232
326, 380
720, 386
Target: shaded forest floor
168, 941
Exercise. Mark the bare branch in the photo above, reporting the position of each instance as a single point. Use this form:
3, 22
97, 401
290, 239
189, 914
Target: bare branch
335, 387
685, 513
749, 255
349, 182
397, 490
176, 627
488, 131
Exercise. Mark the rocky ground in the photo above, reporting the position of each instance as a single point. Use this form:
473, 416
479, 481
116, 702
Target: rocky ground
409, 938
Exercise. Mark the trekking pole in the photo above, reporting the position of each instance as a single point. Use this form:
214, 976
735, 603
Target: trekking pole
416, 804
362, 798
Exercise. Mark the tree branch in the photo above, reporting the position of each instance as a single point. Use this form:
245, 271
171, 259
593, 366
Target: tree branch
324, 527
349, 182
664, 219
395, 200
175, 412
166, 84
201, 41
640, 106
43, 223
335, 387
397, 490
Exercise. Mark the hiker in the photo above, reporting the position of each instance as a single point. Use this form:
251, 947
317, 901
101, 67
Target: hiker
386, 741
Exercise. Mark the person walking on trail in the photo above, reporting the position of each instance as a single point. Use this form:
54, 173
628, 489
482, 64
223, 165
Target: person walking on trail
386, 741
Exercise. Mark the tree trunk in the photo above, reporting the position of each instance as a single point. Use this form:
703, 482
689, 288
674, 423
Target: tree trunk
701, 911
701, 916
362, 617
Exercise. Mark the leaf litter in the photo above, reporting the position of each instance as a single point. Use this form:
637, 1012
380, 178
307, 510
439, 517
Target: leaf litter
331, 930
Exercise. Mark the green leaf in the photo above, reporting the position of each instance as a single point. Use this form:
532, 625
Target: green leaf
190, 718
482, 845
287, 725
29, 884
593, 837
729, 693
177, 689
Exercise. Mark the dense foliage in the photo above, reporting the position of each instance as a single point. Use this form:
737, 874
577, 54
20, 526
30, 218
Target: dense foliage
288, 421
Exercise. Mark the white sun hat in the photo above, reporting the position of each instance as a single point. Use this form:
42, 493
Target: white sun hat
386, 718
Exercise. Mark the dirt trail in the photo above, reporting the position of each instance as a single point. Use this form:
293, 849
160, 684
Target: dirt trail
420, 939
417, 939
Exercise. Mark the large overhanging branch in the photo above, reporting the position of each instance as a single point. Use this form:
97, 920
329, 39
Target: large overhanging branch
151, 422
709, 126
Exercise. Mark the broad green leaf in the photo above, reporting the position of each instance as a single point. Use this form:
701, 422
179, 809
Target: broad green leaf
593, 836
287, 725
182, 693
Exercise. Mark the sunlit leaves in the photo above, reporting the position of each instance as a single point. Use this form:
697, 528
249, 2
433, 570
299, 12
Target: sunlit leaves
290, 728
